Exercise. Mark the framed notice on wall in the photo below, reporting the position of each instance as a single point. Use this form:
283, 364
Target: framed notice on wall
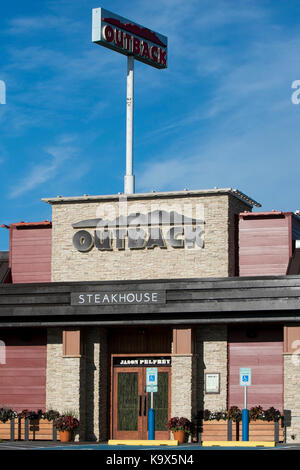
212, 382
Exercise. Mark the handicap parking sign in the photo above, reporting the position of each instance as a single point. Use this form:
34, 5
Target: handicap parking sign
151, 379
245, 376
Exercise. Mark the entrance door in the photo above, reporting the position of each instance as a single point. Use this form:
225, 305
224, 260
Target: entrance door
130, 403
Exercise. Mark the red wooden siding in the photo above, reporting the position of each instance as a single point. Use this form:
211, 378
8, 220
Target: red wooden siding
265, 243
30, 252
23, 377
264, 354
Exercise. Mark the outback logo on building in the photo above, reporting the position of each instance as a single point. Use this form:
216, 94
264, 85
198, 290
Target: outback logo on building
129, 38
158, 228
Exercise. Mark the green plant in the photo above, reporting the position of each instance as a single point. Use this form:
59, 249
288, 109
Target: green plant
179, 424
51, 415
66, 423
271, 414
6, 414
235, 414
256, 412
30, 414
70, 412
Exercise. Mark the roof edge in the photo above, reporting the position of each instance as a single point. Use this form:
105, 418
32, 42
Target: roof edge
153, 195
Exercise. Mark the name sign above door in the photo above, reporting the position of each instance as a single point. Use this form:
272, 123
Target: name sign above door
142, 361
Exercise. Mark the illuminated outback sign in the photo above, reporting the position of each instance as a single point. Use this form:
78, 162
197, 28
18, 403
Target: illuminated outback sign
129, 38
140, 231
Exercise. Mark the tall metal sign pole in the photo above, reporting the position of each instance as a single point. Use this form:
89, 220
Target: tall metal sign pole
129, 177
138, 43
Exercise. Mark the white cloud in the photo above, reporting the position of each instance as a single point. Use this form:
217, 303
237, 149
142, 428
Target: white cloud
48, 169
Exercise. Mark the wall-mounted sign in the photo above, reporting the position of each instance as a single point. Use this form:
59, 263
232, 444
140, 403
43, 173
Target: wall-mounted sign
129, 38
118, 298
139, 231
142, 361
212, 383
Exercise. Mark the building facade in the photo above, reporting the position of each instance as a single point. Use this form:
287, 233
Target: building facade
114, 285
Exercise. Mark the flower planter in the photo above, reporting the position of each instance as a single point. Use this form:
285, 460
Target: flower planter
258, 431
36, 430
265, 431
215, 430
6, 430
65, 436
179, 436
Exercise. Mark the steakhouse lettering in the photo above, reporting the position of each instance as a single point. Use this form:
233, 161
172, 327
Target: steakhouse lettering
112, 298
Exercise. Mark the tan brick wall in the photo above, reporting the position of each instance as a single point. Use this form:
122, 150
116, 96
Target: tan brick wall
63, 375
211, 349
182, 370
212, 260
292, 395
80, 384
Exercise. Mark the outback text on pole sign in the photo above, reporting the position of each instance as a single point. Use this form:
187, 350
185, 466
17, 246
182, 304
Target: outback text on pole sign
129, 38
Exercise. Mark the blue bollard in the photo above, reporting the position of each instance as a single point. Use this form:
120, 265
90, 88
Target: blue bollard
151, 424
245, 425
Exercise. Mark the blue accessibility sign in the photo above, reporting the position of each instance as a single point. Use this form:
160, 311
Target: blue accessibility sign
245, 376
151, 379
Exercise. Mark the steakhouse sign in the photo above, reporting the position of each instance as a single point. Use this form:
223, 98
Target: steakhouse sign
129, 38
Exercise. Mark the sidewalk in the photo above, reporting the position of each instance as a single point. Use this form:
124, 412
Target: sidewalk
50, 445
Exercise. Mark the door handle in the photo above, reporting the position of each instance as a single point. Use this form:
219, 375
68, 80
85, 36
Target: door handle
140, 405
145, 405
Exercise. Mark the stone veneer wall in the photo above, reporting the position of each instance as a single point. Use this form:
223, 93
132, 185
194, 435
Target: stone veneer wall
181, 386
80, 383
211, 349
292, 395
212, 260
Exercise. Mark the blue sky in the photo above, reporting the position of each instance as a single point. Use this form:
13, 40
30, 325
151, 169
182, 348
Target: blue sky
220, 115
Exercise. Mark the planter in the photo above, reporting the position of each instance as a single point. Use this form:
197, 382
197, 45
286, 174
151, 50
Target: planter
65, 436
215, 430
265, 431
41, 430
231, 431
36, 430
179, 436
9, 430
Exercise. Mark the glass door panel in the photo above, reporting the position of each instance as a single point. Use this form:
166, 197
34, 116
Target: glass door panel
127, 401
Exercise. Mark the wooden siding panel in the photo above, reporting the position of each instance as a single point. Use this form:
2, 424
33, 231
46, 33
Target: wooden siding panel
31, 254
23, 377
264, 245
264, 354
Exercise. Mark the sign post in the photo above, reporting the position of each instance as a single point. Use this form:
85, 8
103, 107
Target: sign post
137, 42
245, 381
151, 386
129, 177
